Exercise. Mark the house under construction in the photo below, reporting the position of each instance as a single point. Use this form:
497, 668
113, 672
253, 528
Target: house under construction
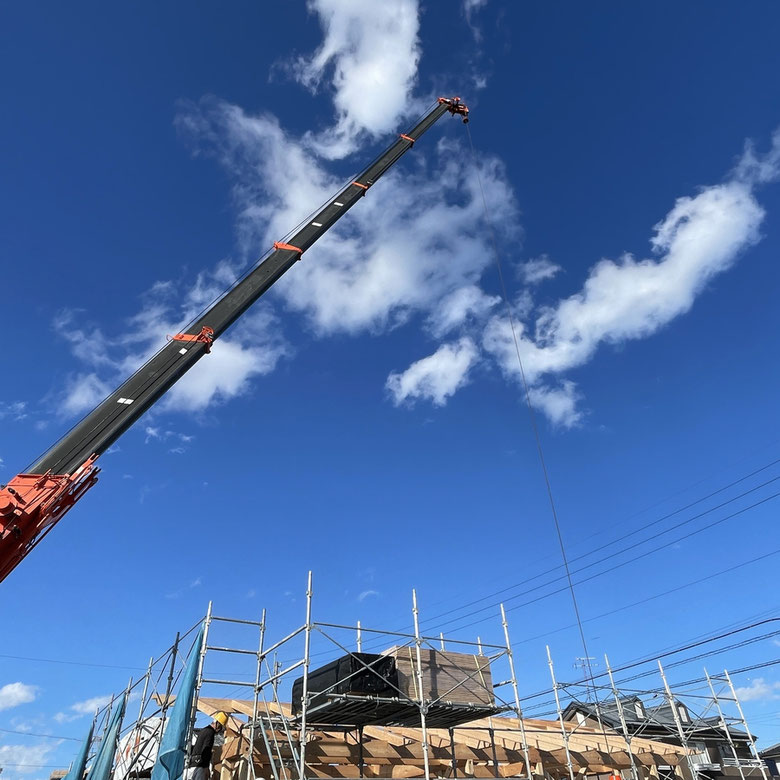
331, 700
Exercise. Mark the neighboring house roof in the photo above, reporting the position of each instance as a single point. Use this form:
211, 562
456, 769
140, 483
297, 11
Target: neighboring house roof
733, 730
656, 718
773, 751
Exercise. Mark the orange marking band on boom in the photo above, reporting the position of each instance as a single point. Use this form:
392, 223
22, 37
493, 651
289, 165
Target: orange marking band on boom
206, 336
282, 245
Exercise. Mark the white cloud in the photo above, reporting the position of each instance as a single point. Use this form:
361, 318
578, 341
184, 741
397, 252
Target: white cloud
415, 246
363, 595
369, 54
437, 376
538, 269
470, 9
254, 350
754, 168
701, 237
175, 594
88, 706
15, 410
251, 349
456, 308
83, 392
414, 240
81, 708
25, 759
558, 403
759, 690
414, 250
15, 694
469, 6
154, 433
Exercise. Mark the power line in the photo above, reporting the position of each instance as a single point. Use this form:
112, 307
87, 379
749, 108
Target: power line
674, 651
744, 477
718, 573
33, 734
34, 766
631, 533
603, 572
72, 663
664, 652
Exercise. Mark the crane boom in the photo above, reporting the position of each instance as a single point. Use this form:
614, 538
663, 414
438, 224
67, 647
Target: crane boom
33, 501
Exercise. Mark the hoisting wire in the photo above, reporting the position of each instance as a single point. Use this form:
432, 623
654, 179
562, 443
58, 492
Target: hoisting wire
534, 425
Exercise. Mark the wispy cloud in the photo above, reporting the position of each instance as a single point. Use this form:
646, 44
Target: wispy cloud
538, 269
436, 377
701, 237
414, 253
80, 709
367, 594
26, 759
15, 410
176, 441
176, 594
252, 349
415, 248
759, 690
15, 694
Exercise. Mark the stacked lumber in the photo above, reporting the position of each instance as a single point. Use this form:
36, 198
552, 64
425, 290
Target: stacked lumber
485, 748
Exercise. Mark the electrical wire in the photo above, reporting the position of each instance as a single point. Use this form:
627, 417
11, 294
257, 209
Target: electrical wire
371, 645
42, 736
668, 592
602, 573
674, 651
72, 663
628, 535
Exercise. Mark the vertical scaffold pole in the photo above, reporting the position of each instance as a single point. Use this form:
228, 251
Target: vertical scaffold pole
724, 725
146, 688
677, 722
252, 725
169, 684
421, 693
141, 709
565, 733
359, 640
441, 640
518, 710
622, 716
198, 681
108, 716
751, 739
453, 760
305, 690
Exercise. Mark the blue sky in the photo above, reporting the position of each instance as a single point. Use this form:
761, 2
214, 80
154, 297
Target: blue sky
365, 420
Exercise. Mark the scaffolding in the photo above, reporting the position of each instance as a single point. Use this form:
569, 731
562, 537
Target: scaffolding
694, 717
454, 710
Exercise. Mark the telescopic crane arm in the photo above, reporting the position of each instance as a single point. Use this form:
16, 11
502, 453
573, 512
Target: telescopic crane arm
33, 501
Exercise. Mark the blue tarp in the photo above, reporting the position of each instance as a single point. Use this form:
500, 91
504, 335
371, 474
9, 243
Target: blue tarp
77, 767
104, 760
173, 750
